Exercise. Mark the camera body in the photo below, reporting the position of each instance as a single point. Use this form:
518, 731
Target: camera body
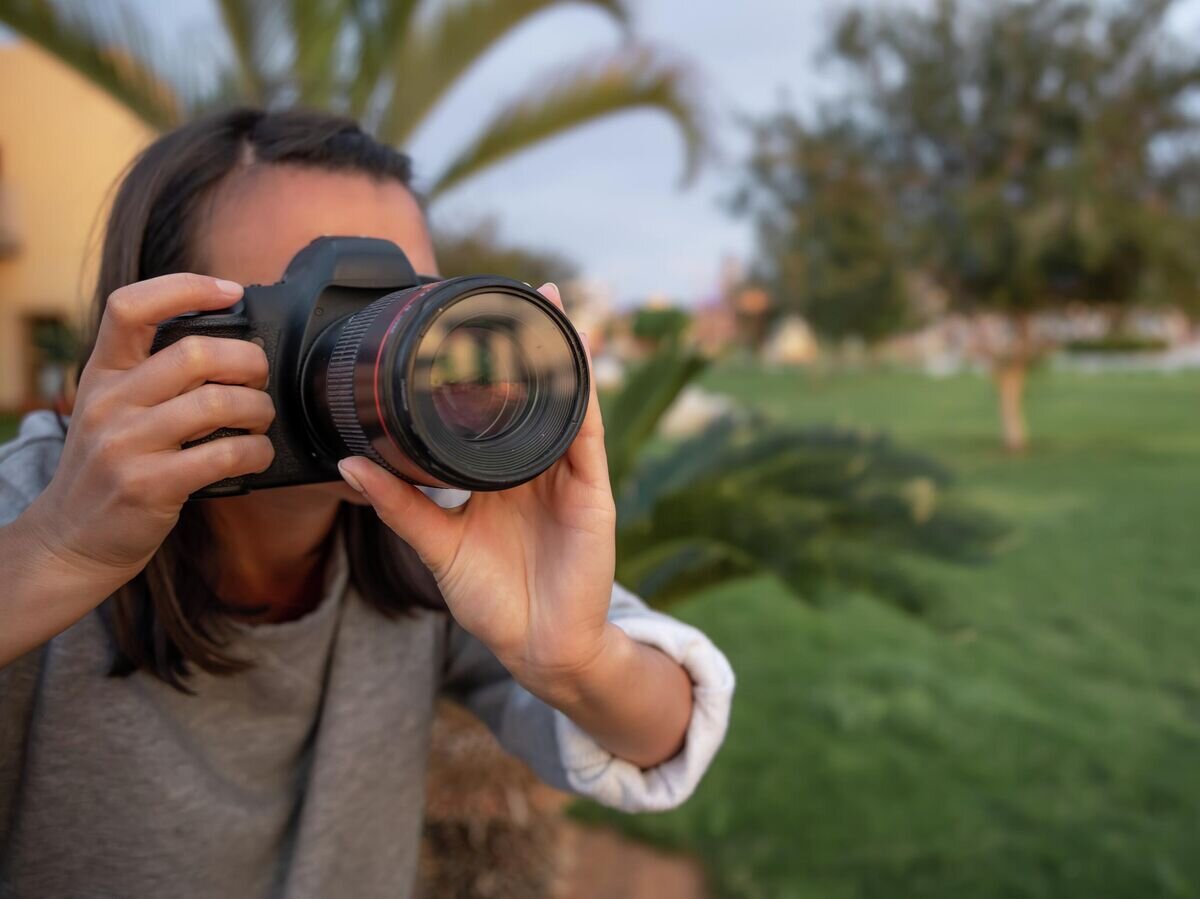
337, 392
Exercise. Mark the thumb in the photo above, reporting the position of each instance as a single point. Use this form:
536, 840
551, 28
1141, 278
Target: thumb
432, 531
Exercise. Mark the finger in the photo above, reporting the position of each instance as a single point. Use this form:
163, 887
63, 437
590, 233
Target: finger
199, 466
199, 412
194, 360
433, 532
551, 292
132, 313
586, 454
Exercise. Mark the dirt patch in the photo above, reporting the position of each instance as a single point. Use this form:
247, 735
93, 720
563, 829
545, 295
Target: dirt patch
601, 864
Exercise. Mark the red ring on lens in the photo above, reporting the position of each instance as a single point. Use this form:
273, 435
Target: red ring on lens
412, 298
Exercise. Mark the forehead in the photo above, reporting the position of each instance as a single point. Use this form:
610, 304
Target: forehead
260, 217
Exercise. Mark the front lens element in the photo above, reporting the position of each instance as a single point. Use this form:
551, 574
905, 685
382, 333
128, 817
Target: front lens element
495, 383
479, 380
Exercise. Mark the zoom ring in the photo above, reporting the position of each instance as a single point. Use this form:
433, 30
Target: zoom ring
340, 385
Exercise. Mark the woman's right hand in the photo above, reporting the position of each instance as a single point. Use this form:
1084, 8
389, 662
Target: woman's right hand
124, 474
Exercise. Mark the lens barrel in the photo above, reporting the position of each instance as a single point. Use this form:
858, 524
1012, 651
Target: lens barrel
477, 383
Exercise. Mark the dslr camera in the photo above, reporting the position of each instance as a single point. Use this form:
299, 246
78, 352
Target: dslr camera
477, 383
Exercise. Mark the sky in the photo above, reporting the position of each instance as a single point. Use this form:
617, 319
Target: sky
608, 195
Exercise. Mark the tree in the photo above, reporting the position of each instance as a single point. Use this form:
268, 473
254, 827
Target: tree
1039, 154
478, 249
658, 325
388, 63
822, 209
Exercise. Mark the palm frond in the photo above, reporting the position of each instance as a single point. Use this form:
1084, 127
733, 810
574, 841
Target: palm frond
432, 58
317, 28
664, 572
825, 459
688, 461
859, 565
633, 415
815, 507
241, 19
382, 26
104, 44
634, 77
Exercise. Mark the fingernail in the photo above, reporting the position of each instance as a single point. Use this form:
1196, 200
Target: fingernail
349, 478
230, 288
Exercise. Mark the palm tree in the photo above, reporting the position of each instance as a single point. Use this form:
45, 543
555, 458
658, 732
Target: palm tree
817, 507
387, 63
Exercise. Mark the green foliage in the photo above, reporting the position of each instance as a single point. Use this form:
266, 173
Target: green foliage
479, 249
1039, 153
659, 325
57, 342
827, 247
386, 62
1118, 343
636, 77
632, 416
426, 61
818, 508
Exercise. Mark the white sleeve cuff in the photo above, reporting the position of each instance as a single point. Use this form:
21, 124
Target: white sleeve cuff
596, 773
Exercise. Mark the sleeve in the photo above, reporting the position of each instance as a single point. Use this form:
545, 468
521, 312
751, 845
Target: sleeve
561, 753
12, 502
27, 463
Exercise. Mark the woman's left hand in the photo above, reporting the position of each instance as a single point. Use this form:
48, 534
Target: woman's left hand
528, 571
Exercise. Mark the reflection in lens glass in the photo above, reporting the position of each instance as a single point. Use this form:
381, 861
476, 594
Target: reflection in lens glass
479, 380
494, 383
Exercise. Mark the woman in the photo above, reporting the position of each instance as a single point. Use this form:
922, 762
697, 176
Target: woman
233, 697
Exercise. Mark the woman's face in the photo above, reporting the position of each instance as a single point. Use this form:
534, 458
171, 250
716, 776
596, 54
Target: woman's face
262, 216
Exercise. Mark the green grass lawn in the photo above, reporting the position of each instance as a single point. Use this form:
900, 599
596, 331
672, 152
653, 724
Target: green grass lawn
8, 427
1039, 733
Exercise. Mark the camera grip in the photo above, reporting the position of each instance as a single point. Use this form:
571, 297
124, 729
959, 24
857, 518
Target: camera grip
232, 325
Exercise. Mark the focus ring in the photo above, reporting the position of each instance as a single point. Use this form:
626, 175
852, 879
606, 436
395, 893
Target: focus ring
343, 409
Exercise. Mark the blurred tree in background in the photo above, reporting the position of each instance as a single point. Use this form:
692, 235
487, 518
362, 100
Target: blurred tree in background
387, 63
659, 325
1020, 155
823, 211
479, 249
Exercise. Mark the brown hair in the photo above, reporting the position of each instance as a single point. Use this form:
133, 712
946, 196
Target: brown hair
168, 619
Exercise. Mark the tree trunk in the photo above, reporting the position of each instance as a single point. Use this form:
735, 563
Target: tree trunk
1012, 356
1010, 376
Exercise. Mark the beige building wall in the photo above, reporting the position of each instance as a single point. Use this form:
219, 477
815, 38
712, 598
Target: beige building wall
63, 144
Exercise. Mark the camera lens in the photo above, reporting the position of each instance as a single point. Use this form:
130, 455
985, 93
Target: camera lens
480, 383
476, 383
